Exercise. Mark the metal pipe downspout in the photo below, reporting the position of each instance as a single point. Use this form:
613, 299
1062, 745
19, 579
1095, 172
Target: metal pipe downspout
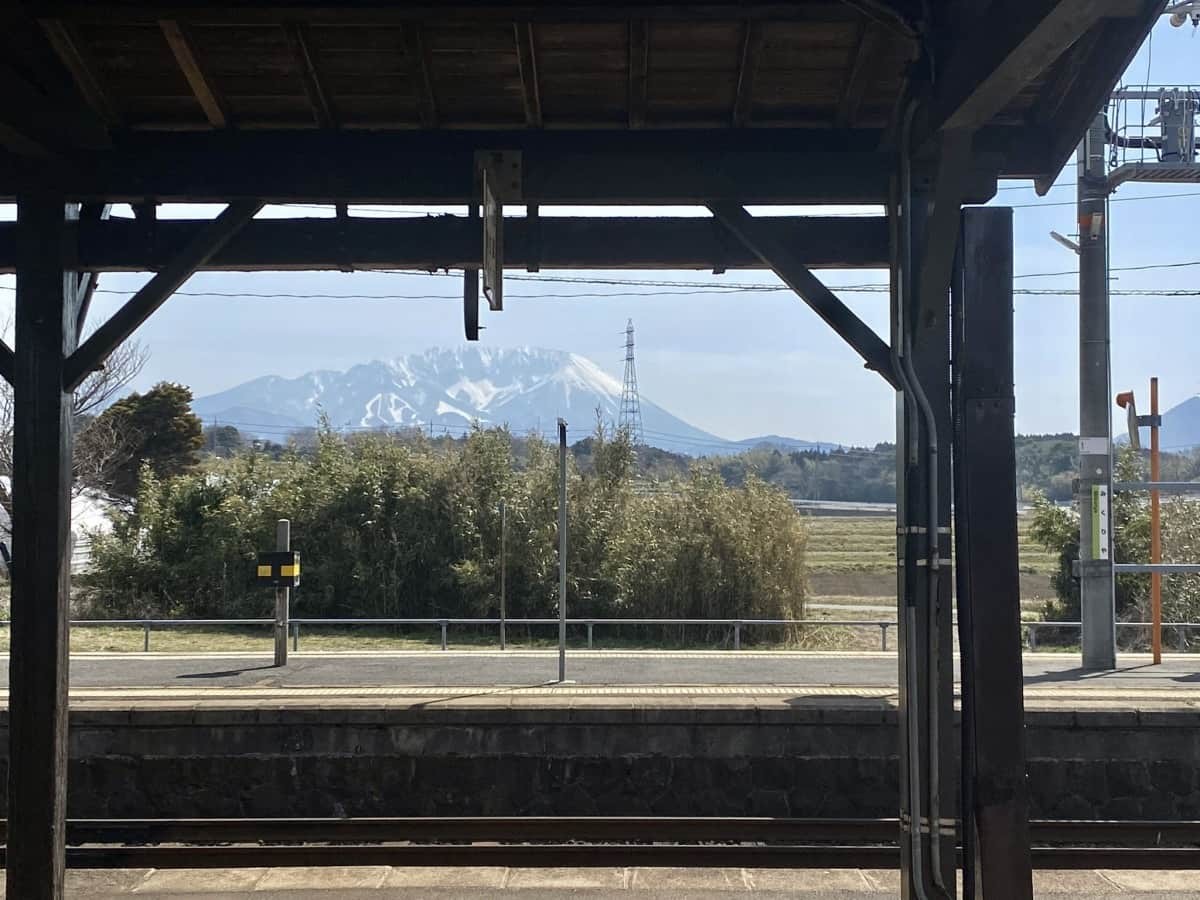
909, 380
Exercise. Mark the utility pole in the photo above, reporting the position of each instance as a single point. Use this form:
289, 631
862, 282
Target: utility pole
1096, 587
562, 550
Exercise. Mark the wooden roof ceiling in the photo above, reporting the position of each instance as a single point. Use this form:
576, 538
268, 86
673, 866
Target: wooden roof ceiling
824, 65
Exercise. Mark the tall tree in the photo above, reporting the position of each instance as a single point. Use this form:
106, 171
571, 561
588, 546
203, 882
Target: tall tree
163, 431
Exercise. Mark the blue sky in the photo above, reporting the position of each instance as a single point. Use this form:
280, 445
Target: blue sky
736, 365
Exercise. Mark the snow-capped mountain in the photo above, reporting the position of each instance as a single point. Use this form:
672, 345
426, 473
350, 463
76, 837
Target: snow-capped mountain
525, 389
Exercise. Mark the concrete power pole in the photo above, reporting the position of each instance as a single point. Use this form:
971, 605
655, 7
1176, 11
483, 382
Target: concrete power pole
1097, 594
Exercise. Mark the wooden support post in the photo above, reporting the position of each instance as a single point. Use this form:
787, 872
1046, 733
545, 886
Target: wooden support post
995, 797
1155, 530
46, 313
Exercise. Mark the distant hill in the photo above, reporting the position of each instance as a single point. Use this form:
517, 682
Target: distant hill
446, 390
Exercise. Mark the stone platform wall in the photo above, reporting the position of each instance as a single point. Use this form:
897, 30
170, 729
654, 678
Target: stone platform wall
810, 760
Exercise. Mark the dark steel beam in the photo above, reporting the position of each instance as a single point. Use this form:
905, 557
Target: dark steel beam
452, 242
752, 39
75, 58
437, 167
206, 94
306, 66
41, 528
784, 262
639, 66
416, 56
527, 59
7, 362
985, 530
104, 340
1001, 54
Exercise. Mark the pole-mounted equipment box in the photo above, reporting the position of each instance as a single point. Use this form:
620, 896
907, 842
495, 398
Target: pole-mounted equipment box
279, 568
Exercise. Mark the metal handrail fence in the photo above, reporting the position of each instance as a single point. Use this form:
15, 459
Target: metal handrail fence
735, 626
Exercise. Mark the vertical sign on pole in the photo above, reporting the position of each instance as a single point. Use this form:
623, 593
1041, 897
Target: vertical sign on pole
1155, 530
1097, 599
283, 541
562, 550
503, 565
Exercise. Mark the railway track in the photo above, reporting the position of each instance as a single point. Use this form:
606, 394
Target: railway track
589, 841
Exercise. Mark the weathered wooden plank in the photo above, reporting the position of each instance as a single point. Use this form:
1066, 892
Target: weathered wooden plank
416, 55
77, 60
747, 68
41, 483
306, 66
206, 94
527, 55
639, 64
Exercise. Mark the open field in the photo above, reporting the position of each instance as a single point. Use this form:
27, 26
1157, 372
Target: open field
868, 544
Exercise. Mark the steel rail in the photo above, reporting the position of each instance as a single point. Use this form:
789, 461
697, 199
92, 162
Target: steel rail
588, 841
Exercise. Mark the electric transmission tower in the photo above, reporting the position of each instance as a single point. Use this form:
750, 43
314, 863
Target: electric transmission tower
630, 419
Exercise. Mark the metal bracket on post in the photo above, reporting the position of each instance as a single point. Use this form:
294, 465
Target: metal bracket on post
499, 183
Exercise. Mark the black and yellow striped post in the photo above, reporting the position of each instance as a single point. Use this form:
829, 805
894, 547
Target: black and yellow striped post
280, 570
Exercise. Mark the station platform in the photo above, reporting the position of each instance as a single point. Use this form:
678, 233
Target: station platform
383, 883
765, 672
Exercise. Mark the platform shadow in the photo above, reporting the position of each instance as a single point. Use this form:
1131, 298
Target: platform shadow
1079, 673
229, 673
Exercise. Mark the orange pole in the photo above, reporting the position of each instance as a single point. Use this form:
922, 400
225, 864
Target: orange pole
1155, 534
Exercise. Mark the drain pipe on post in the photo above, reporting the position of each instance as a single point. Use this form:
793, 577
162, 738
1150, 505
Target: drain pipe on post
911, 384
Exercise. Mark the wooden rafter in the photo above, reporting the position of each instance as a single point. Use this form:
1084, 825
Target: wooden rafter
202, 87
870, 41
62, 39
752, 39
420, 70
639, 66
1000, 55
306, 64
8, 362
89, 214
530, 90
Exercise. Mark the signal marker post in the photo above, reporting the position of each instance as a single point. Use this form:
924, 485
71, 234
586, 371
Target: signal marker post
280, 570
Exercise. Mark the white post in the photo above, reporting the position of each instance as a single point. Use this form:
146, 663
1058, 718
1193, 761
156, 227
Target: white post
283, 541
562, 550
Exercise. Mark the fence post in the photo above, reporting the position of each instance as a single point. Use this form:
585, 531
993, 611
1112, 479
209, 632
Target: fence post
145, 637
1183, 641
295, 635
883, 627
443, 634
1032, 637
737, 635
589, 627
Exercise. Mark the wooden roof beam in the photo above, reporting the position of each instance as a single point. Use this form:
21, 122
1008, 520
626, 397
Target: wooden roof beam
1001, 54
639, 67
527, 58
452, 242
202, 87
306, 65
752, 39
862, 67
73, 56
420, 70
